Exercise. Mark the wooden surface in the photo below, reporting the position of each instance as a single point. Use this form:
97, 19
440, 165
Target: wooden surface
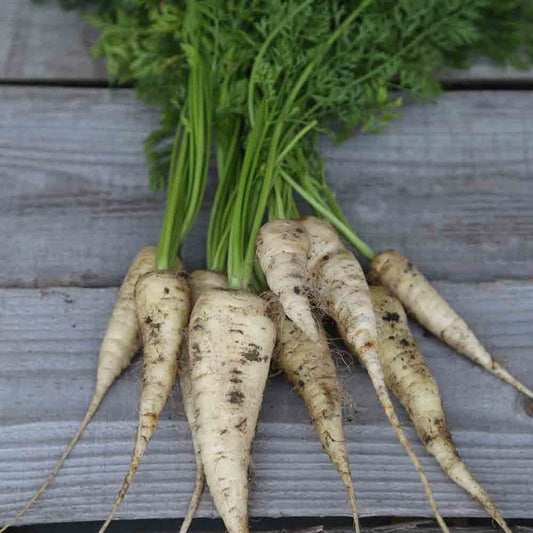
49, 352
43, 42
450, 184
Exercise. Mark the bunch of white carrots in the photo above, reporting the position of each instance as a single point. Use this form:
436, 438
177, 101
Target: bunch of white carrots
220, 337
271, 277
222, 352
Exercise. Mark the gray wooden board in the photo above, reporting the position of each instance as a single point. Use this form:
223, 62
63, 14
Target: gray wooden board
41, 42
48, 354
450, 184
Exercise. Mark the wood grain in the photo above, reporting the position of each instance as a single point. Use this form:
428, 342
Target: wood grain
44, 43
48, 354
449, 184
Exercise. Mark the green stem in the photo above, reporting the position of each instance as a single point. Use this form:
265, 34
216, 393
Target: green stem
191, 150
227, 164
237, 278
294, 141
177, 165
249, 249
340, 226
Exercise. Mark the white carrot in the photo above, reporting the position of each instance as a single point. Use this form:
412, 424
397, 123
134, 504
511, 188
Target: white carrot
200, 281
309, 367
396, 273
411, 381
162, 299
120, 344
341, 289
231, 339
282, 247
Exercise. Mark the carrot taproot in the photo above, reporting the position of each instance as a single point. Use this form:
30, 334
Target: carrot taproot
281, 248
119, 345
309, 367
392, 270
409, 378
341, 289
162, 300
231, 340
200, 281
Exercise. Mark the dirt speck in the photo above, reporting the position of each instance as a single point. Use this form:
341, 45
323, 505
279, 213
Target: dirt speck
235, 397
391, 317
242, 425
252, 354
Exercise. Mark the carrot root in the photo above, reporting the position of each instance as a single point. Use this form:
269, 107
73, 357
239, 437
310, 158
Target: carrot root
119, 345
231, 340
282, 247
163, 306
342, 291
411, 381
309, 367
200, 281
402, 278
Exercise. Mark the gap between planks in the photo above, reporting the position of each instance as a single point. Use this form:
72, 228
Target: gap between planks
292, 526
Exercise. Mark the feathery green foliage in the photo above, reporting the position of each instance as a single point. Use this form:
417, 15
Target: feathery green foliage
278, 73
393, 45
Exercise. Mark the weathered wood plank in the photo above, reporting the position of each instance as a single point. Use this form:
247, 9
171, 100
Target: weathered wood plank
48, 355
449, 184
41, 42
